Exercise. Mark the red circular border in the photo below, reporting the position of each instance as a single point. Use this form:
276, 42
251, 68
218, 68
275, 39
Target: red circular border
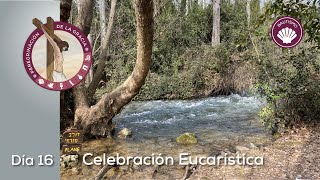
291, 18
58, 86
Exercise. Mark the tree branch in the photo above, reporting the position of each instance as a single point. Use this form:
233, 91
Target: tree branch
105, 42
130, 88
96, 120
98, 75
103, 171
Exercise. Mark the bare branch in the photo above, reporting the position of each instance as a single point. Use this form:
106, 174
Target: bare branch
96, 51
95, 42
105, 43
102, 172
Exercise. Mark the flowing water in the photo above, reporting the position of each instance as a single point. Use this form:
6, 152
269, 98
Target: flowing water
218, 122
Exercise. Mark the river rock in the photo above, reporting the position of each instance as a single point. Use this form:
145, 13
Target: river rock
227, 151
124, 133
252, 146
187, 138
241, 148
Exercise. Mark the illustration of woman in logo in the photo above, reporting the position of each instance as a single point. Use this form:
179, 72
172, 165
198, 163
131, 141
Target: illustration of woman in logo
58, 48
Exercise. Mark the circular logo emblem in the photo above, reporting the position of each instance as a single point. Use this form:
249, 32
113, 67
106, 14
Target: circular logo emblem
287, 32
57, 56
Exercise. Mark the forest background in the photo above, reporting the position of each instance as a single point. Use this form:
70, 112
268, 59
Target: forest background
211, 48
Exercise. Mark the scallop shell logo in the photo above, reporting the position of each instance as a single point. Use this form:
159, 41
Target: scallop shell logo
287, 32
287, 35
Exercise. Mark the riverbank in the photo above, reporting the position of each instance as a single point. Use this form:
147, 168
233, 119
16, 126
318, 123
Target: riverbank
224, 124
293, 156
218, 123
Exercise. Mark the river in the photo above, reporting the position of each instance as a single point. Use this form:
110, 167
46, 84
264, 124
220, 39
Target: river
219, 123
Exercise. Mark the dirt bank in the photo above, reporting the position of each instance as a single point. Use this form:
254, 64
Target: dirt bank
294, 155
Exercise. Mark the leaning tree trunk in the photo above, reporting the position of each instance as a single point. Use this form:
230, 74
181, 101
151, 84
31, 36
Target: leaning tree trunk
95, 120
216, 23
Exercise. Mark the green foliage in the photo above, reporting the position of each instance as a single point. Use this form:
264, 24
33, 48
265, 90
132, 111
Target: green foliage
289, 78
184, 65
305, 11
175, 33
267, 113
291, 86
234, 24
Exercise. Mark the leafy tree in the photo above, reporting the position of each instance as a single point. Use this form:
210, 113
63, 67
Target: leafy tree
290, 78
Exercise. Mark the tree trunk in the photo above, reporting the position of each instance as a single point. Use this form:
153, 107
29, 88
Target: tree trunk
188, 6
105, 43
85, 14
248, 9
102, 11
83, 22
156, 8
89, 76
263, 6
183, 6
65, 8
216, 23
95, 120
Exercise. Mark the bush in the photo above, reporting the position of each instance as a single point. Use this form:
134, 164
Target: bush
291, 86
